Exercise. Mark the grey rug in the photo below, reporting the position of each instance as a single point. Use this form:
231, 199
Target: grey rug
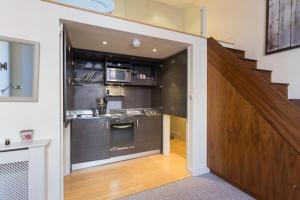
206, 187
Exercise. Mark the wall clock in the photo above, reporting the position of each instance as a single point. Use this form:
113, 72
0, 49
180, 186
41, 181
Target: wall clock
102, 6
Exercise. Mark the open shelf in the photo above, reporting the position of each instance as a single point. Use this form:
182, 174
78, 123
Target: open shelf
144, 82
88, 67
144, 74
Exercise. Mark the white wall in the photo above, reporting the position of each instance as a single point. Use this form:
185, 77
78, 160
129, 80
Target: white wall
39, 21
4, 74
32, 20
192, 20
151, 12
244, 24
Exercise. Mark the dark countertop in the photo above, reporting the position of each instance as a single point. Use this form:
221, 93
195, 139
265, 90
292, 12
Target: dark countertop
124, 113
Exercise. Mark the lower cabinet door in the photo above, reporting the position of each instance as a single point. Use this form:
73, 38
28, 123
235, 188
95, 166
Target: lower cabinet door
243, 145
148, 133
89, 140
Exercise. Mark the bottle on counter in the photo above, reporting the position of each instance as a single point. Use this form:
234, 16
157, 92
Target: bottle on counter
101, 105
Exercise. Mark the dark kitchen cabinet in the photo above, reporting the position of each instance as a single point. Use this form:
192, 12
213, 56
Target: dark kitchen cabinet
68, 75
148, 133
90, 140
174, 85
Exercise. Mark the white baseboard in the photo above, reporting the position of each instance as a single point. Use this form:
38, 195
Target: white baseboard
199, 172
112, 160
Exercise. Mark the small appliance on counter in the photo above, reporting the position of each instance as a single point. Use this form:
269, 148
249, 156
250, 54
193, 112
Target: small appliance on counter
118, 71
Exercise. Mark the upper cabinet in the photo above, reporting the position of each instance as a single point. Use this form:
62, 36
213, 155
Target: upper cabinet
174, 85
68, 73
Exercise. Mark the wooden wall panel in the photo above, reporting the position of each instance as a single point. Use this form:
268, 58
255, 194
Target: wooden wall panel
279, 165
293, 168
244, 148
247, 118
243, 144
217, 121
265, 156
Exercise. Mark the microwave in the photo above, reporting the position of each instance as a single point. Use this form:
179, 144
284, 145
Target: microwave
118, 75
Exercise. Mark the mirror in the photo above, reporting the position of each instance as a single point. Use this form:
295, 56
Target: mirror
19, 60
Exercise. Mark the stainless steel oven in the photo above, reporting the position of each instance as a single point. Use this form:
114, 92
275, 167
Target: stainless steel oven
118, 75
121, 136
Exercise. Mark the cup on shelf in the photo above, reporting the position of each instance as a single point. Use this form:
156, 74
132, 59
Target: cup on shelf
26, 136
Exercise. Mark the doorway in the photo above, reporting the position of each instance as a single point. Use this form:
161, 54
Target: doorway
120, 147
155, 170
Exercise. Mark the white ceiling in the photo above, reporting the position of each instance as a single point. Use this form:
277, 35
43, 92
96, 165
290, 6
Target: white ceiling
181, 4
89, 37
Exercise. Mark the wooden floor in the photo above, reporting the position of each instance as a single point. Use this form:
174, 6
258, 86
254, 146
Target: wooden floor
121, 179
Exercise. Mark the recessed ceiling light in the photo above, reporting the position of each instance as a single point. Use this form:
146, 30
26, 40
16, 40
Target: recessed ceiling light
154, 50
104, 43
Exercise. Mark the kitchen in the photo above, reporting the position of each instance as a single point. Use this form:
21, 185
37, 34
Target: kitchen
120, 90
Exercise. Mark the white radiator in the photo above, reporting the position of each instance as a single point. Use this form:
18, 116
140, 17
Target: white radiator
22, 171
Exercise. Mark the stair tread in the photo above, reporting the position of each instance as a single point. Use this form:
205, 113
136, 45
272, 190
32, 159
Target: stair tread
281, 88
295, 101
234, 49
248, 59
263, 70
285, 84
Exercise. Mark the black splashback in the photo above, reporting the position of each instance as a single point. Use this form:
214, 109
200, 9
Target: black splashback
85, 96
137, 97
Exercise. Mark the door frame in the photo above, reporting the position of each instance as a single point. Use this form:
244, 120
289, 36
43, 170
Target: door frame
197, 86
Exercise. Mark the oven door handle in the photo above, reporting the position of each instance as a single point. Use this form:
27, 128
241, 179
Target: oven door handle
122, 127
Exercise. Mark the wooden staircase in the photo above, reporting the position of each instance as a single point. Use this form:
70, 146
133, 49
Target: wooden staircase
266, 75
253, 128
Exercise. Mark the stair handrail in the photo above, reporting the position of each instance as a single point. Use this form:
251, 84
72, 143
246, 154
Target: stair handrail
281, 114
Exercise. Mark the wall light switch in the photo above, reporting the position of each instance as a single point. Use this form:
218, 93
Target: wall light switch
3, 66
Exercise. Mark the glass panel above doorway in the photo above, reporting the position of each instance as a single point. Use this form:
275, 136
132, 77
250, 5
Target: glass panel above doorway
178, 15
